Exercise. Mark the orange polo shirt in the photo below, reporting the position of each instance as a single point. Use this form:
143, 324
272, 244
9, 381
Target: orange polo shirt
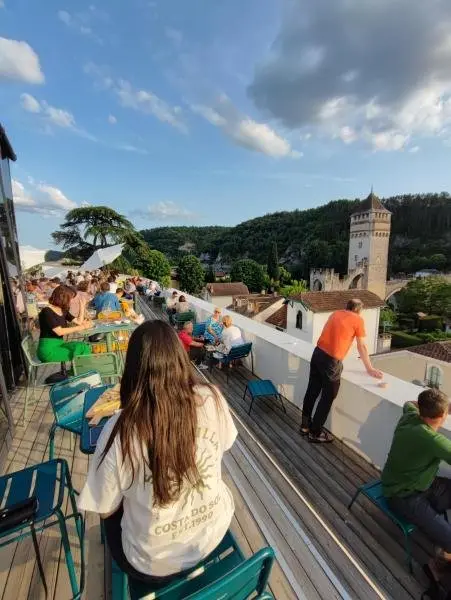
339, 333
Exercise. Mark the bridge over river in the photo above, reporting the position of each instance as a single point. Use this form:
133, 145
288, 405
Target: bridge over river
395, 285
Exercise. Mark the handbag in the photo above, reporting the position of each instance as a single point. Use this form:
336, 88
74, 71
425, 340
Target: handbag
23, 513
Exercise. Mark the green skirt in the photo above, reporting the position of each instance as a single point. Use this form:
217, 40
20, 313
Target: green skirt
58, 350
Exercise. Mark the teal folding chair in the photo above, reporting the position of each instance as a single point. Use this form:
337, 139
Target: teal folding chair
47, 482
33, 365
236, 353
224, 574
106, 364
67, 400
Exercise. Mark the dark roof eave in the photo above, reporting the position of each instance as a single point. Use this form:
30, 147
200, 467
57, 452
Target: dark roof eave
5, 146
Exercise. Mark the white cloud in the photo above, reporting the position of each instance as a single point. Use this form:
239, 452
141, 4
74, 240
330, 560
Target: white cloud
81, 22
343, 69
131, 148
53, 116
414, 149
59, 117
19, 61
21, 197
174, 35
244, 131
46, 200
29, 103
143, 101
148, 103
112, 119
165, 211
56, 196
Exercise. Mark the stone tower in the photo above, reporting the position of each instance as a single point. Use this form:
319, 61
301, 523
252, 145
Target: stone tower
368, 245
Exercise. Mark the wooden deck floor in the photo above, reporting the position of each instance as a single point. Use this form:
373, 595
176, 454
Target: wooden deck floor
299, 493
288, 494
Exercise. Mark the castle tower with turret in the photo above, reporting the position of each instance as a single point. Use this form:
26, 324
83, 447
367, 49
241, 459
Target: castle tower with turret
368, 252
368, 243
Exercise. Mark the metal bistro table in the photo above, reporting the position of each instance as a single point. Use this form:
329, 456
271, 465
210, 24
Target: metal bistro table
90, 435
108, 328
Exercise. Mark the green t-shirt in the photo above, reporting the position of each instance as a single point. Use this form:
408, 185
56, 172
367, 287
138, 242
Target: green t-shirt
415, 455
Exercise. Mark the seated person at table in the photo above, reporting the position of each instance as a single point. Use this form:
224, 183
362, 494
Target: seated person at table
79, 302
409, 479
231, 334
182, 306
194, 346
171, 303
105, 300
213, 328
53, 324
149, 477
112, 283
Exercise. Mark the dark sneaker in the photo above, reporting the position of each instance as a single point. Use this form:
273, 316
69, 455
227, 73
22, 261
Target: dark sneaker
305, 428
322, 438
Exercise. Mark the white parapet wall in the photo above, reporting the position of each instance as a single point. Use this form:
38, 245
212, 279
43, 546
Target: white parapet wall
364, 415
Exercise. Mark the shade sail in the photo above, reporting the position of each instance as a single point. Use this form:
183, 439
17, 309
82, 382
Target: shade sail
102, 257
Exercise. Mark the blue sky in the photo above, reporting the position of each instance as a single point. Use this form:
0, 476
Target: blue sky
197, 112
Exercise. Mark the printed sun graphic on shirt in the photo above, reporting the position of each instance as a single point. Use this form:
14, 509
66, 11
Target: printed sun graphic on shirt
204, 465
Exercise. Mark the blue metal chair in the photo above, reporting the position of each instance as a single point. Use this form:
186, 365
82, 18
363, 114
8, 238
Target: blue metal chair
67, 400
236, 353
199, 329
262, 388
47, 482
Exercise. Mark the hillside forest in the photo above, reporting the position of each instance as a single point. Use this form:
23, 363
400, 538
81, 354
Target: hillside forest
319, 237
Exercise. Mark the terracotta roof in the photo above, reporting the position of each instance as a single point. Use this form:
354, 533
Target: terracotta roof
252, 304
330, 301
372, 202
279, 318
227, 289
437, 350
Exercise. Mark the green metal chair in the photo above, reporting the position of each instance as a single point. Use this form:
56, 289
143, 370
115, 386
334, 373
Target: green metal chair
47, 482
29, 347
106, 364
181, 318
67, 400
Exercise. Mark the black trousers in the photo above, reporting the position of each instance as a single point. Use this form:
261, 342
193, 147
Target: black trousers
325, 373
197, 354
139, 583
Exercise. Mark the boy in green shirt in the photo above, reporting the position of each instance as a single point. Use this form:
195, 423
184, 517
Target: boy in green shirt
409, 478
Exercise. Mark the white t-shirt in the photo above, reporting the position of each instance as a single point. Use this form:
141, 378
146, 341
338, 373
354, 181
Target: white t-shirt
161, 541
113, 287
231, 337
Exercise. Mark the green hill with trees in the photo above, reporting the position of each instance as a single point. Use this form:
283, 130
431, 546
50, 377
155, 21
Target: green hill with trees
318, 237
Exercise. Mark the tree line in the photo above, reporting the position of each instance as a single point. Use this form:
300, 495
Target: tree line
319, 237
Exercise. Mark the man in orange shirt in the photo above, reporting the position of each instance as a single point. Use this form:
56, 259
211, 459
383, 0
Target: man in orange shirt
326, 367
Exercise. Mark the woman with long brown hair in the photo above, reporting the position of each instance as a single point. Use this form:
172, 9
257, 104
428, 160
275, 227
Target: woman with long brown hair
54, 322
156, 474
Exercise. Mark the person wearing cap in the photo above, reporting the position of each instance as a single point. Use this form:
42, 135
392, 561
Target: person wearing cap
326, 366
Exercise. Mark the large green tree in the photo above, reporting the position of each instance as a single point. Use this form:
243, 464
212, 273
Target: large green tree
431, 295
250, 273
88, 228
273, 263
191, 274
